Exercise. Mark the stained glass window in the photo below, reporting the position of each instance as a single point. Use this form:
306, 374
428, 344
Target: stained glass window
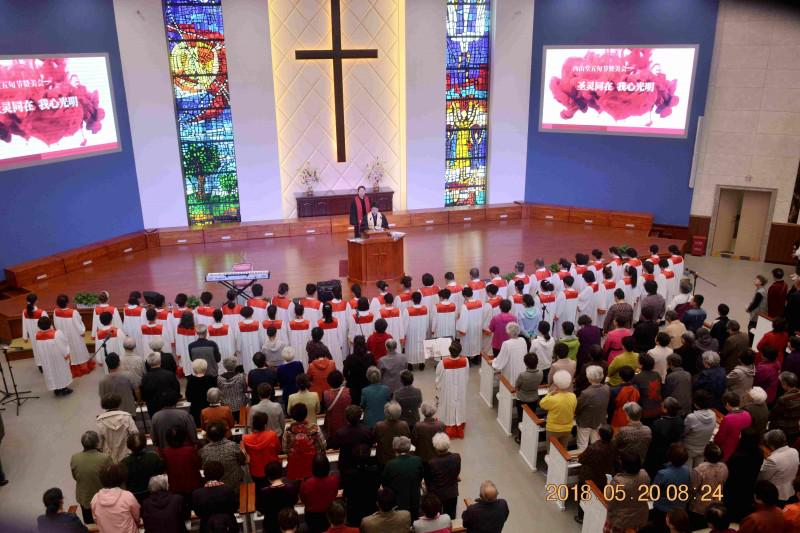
199, 67
467, 100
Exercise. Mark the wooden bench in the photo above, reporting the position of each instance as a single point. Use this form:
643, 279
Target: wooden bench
505, 405
595, 510
562, 468
531, 429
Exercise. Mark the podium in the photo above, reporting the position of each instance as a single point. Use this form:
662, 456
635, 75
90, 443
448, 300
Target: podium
377, 255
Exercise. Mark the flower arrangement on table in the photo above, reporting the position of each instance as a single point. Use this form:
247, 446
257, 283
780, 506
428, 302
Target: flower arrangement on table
375, 172
309, 176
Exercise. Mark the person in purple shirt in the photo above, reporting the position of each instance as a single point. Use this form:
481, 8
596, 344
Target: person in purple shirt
791, 363
588, 335
498, 326
695, 316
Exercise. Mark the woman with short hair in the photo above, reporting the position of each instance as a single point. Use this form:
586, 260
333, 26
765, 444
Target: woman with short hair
302, 441
373, 397
442, 474
233, 386
162, 511
197, 386
115, 509
54, 519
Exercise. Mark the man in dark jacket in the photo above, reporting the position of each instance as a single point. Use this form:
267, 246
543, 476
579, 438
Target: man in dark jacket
410, 399
404, 475
735, 345
792, 311
214, 500
205, 349
786, 413
597, 460
442, 474
424, 431
348, 438
157, 384
488, 513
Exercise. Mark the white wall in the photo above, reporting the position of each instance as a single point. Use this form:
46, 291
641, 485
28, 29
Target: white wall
509, 96
752, 124
425, 105
253, 107
143, 51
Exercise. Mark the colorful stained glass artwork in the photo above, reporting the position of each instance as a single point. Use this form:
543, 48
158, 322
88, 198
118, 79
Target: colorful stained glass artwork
199, 68
467, 101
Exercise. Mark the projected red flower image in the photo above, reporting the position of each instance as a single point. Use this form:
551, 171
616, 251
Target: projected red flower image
53, 107
625, 90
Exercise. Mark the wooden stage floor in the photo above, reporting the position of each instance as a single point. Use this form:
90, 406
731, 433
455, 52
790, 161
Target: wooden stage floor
299, 260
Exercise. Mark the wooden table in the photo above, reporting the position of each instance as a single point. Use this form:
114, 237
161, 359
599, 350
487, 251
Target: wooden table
378, 255
329, 203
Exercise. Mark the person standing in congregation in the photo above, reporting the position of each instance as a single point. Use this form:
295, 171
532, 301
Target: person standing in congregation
452, 375
416, 321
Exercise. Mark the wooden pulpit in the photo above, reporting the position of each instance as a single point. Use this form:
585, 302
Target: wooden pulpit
377, 255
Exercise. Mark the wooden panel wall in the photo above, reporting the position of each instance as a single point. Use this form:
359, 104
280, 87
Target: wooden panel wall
779, 245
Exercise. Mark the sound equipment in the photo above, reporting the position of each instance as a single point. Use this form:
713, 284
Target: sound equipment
325, 289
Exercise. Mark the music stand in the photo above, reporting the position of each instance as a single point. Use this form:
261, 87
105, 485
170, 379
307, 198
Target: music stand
7, 396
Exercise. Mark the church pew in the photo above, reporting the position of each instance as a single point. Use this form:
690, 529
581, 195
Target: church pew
562, 468
595, 510
505, 405
486, 374
531, 430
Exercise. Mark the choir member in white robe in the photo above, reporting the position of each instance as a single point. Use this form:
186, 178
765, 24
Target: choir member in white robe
416, 322
676, 261
339, 309
566, 306
520, 275
616, 264
377, 302
648, 271
631, 286
430, 292
655, 259
577, 270
330, 326
300, 334
633, 260
283, 303
609, 286
454, 288
470, 324
30, 320
204, 314
104, 307
392, 316
477, 285
403, 299
272, 321
362, 321
313, 307
498, 281
597, 265
53, 349
490, 309
587, 301
443, 321
539, 275
132, 325
258, 303
510, 360
69, 321
176, 315
185, 334
224, 336
109, 339
667, 281
517, 305
557, 279
231, 310
545, 300
151, 330
452, 376
249, 338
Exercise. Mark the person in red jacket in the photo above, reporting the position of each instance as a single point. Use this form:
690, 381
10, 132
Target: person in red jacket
376, 343
778, 339
776, 295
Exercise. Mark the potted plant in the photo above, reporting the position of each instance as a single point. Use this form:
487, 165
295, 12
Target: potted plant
193, 302
86, 300
374, 173
309, 176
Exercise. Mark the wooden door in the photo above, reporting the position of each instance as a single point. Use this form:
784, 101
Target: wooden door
752, 223
725, 224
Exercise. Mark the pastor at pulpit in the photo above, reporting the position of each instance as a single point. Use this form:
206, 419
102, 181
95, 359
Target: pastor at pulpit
375, 220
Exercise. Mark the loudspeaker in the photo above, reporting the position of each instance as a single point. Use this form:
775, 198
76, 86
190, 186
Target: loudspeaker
325, 289
150, 297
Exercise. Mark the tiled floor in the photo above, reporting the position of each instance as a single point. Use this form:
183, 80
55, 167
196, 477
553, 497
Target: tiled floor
38, 443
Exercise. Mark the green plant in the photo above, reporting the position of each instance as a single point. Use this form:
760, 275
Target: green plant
193, 302
622, 249
509, 276
554, 267
86, 298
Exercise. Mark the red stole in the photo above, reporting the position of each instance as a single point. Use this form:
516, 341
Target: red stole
100, 309
476, 285
404, 296
499, 282
676, 259
311, 303
390, 313
542, 275
448, 307
37, 314
563, 274
277, 324
363, 319
257, 302
495, 301
454, 289
110, 332
333, 324
205, 310
220, 330
152, 329
417, 311
189, 332
473, 304
517, 299
60, 313
450, 363
669, 274
569, 294
133, 311
48, 335
649, 277
298, 325
338, 307
610, 285
547, 298
246, 327
237, 310
359, 212
580, 269
429, 291
281, 301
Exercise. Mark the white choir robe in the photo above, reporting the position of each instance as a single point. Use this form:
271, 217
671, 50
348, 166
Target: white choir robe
490, 309
546, 305
677, 265
248, 341
566, 311
597, 268
526, 279
609, 286
223, 335
259, 306
151, 332
586, 305
232, 317
443, 321
577, 271
299, 335
655, 259
281, 330
363, 323
352, 309
30, 329
116, 321
285, 308
430, 297
53, 349
667, 284
377, 303
339, 309
452, 376
394, 320
632, 293
332, 339
69, 321
617, 268
502, 286
599, 303
516, 304
173, 319
183, 338
416, 321
114, 345
162, 318
132, 326
204, 315
538, 277
636, 263
557, 280
455, 294
403, 300
511, 359
313, 309
478, 289
470, 327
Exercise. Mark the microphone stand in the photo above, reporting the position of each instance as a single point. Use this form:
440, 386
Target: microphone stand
695, 277
17, 396
104, 348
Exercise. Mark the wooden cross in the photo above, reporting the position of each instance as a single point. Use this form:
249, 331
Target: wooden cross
337, 55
